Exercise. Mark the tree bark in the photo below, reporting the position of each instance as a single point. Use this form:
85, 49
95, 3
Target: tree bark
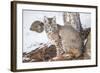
87, 50
73, 19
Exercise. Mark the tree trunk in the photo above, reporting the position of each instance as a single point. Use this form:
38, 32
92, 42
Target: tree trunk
87, 50
73, 19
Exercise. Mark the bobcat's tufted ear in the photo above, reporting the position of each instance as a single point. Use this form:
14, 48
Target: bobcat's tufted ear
54, 19
45, 19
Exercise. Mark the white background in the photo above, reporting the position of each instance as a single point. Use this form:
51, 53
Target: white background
5, 37
21, 65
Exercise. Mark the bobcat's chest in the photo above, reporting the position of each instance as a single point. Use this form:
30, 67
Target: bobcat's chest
53, 37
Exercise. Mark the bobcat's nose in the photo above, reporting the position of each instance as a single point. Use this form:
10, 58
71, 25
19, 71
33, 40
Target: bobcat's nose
50, 30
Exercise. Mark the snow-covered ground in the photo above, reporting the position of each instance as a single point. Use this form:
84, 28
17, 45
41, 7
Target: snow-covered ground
31, 39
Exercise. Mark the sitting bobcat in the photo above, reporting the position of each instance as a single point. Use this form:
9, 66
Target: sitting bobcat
67, 40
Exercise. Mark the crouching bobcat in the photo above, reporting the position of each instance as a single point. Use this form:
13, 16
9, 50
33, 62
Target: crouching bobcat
67, 40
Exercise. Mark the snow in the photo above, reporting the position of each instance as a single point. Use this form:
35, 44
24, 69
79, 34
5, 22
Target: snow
32, 39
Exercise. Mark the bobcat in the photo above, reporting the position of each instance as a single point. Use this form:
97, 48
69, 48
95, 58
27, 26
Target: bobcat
52, 32
67, 40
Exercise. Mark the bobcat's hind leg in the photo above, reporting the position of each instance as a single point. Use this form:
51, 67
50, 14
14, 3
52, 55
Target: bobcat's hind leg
73, 53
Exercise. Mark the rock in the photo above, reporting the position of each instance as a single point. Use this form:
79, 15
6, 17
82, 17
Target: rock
37, 26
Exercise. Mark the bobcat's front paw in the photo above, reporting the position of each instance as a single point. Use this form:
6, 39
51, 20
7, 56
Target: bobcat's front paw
57, 58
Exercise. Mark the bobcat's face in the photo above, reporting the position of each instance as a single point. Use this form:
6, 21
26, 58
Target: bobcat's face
50, 24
